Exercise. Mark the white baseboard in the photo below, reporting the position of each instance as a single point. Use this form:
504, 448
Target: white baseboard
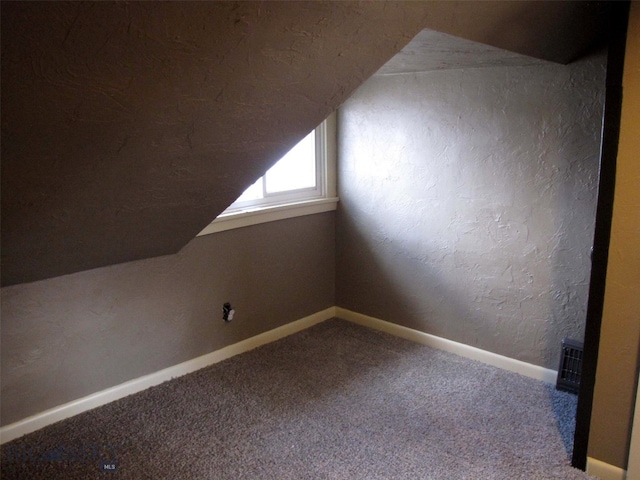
41, 420
604, 471
506, 363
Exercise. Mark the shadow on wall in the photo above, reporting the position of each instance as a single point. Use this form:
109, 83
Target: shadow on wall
468, 202
407, 290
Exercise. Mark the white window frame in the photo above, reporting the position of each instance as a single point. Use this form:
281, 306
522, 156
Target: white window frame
290, 204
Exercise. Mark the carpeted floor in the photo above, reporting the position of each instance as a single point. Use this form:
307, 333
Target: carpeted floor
337, 401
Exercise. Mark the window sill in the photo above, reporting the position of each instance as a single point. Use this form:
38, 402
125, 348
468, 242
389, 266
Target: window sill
255, 216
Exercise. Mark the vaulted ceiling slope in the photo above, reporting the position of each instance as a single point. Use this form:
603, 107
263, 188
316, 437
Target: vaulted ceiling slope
128, 126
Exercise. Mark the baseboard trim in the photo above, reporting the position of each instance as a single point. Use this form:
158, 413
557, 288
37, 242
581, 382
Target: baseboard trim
604, 471
53, 415
489, 358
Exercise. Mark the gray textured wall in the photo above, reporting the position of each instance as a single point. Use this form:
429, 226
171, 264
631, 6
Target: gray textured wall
468, 201
74, 335
127, 126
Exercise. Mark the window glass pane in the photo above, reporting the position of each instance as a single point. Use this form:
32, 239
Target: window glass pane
296, 170
253, 192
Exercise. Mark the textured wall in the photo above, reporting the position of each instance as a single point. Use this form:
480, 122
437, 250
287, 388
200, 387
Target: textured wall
128, 126
619, 355
74, 335
468, 201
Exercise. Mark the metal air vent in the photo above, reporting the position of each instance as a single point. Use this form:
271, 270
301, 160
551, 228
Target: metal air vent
570, 368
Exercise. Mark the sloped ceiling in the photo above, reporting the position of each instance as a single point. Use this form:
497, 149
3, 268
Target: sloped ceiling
128, 126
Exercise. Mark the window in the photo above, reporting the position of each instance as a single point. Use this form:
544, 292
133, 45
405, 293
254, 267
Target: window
300, 183
297, 175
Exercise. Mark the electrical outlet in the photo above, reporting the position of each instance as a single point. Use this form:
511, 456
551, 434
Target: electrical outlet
227, 312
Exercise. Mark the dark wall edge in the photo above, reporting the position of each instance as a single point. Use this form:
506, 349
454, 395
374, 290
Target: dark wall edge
618, 21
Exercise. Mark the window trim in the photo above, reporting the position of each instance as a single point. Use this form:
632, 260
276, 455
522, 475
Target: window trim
326, 201
247, 218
